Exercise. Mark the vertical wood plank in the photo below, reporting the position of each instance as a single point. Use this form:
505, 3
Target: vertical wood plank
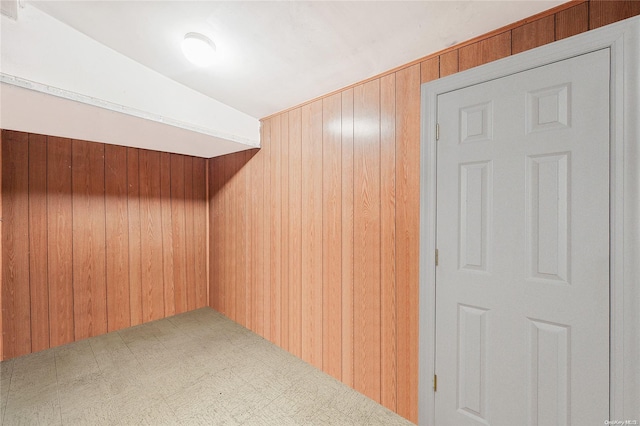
449, 63
60, 241
38, 280
178, 232
16, 309
284, 237
533, 34
332, 235
200, 221
151, 236
388, 298
135, 235
89, 269
430, 69
257, 239
167, 234
295, 232
366, 136
265, 152
230, 237
190, 249
117, 238
604, 12
1, 254
275, 220
347, 238
407, 241
250, 296
570, 22
312, 233
242, 256
216, 212
484, 51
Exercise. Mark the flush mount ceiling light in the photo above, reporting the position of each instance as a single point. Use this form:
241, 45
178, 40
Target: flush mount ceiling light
198, 49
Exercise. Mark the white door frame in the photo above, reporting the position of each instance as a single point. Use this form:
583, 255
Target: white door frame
623, 40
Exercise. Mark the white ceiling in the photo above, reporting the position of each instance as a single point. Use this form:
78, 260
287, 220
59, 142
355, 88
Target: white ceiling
273, 55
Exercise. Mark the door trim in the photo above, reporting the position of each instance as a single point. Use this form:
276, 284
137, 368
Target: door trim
623, 41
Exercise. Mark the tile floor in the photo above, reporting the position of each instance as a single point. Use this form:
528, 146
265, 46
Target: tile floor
197, 368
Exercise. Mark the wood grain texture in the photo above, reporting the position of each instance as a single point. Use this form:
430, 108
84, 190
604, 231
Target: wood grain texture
135, 235
178, 233
257, 218
572, 21
242, 233
89, 269
284, 236
295, 232
332, 235
190, 249
449, 63
60, 241
430, 69
167, 234
216, 215
16, 309
312, 233
230, 237
38, 279
533, 34
251, 266
366, 218
347, 195
407, 236
264, 158
484, 51
388, 298
275, 230
1, 253
200, 225
117, 238
151, 237
604, 12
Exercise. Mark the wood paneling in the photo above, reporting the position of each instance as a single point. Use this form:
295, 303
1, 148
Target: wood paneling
167, 234
200, 226
89, 270
312, 233
572, 21
533, 34
284, 237
347, 238
79, 225
178, 233
366, 219
135, 247
484, 51
407, 236
1, 254
275, 230
151, 236
449, 63
16, 310
117, 238
332, 235
60, 241
38, 280
190, 249
430, 69
216, 216
257, 218
295, 232
388, 298
603, 12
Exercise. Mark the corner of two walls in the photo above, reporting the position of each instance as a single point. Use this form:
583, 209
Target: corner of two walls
96, 238
314, 238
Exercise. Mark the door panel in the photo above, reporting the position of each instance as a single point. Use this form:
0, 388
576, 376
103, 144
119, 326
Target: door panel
522, 286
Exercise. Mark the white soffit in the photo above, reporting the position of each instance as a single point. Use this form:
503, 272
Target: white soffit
41, 54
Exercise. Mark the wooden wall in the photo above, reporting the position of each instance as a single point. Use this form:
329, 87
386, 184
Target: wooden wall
314, 238
96, 238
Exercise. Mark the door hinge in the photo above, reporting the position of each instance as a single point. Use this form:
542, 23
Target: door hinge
437, 131
435, 383
437, 257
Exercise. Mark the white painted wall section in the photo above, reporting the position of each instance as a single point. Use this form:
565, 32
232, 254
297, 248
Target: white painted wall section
42, 58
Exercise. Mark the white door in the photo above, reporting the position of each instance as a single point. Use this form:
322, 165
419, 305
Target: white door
522, 284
